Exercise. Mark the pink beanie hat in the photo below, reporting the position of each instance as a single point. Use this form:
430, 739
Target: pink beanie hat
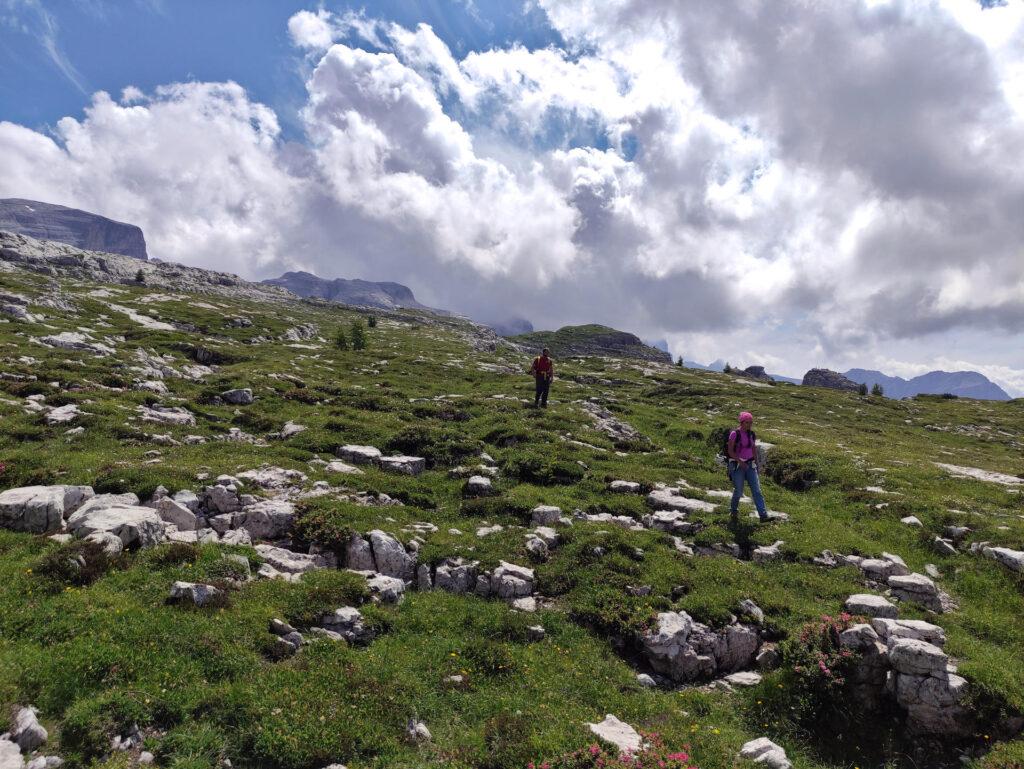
746, 415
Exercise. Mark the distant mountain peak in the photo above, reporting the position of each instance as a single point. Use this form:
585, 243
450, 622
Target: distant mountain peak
965, 384
384, 294
81, 229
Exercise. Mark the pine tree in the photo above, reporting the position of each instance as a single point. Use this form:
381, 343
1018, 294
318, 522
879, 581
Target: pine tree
727, 369
340, 340
876, 389
140, 276
680, 361
358, 336
372, 321
862, 389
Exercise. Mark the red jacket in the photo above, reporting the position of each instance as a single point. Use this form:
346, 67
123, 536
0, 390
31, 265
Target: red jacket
542, 366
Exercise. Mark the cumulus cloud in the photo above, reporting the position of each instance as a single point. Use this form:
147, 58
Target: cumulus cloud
758, 181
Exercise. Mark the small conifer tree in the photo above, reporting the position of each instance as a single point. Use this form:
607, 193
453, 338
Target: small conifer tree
358, 336
340, 340
862, 389
876, 389
140, 276
372, 321
727, 369
680, 361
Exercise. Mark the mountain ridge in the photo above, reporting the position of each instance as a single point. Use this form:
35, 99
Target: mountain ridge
73, 226
965, 384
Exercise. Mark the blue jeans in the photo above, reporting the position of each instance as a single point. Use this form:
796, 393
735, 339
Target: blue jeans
738, 475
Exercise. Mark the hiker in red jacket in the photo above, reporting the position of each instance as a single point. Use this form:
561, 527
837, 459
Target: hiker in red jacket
543, 371
742, 448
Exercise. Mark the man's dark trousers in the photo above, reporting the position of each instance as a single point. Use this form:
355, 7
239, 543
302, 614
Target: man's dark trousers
541, 393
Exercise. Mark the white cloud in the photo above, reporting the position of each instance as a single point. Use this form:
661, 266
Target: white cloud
817, 181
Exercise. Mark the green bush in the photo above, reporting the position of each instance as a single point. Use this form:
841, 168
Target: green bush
320, 592
76, 564
544, 469
440, 447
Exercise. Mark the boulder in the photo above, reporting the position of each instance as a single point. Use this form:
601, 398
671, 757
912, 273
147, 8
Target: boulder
168, 415
135, 526
478, 486
189, 499
624, 737
176, 513
290, 429
40, 509
402, 464
891, 629
221, 499
1011, 559
390, 557
360, 455
912, 520
764, 751
624, 487
348, 623
510, 581
546, 515
917, 658
685, 650
293, 563
10, 755
767, 553
456, 575
823, 377
917, 588
27, 733
672, 499
358, 554
270, 477
197, 593
385, 589
238, 397
269, 519
338, 466
869, 605
63, 415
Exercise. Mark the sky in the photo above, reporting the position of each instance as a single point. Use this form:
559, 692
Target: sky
769, 182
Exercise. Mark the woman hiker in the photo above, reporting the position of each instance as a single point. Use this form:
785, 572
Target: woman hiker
742, 448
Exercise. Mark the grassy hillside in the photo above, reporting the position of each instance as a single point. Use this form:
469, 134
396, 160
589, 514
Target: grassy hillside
99, 653
591, 339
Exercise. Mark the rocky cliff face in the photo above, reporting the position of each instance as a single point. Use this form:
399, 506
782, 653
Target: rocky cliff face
823, 377
90, 232
364, 293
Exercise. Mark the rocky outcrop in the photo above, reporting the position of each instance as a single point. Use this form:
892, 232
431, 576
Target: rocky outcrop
90, 232
40, 509
823, 377
573, 341
685, 650
362, 293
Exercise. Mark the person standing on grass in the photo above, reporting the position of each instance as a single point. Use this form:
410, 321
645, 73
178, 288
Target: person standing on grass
742, 448
543, 371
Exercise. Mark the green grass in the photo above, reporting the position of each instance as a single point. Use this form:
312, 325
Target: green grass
100, 649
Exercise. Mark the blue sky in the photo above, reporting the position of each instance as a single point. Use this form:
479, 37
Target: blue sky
665, 168
108, 44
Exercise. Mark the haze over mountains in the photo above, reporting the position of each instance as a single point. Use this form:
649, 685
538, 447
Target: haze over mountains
82, 229
367, 293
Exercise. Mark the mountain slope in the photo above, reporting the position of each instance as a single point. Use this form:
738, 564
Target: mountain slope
81, 229
966, 384
227, 408
592, 339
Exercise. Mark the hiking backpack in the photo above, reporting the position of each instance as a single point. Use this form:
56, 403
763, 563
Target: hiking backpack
725, 444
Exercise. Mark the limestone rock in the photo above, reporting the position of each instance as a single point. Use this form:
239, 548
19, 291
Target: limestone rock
134, 526
40, 509
685, 650
624, 487
271, 477
478, 486
620, 734
390, 557
510, 581
168, 415
342, 467
823, 377
386, 589
348, 623
764, 751
891, 629
672, 499
177, 514
270, 519
359, 554
360, 455
915, 657
291, 562
546, 515
10, 755
402, 464
870, 605
198, 594
767, 553
239, 397
1011, 559
27, 733
456, 576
